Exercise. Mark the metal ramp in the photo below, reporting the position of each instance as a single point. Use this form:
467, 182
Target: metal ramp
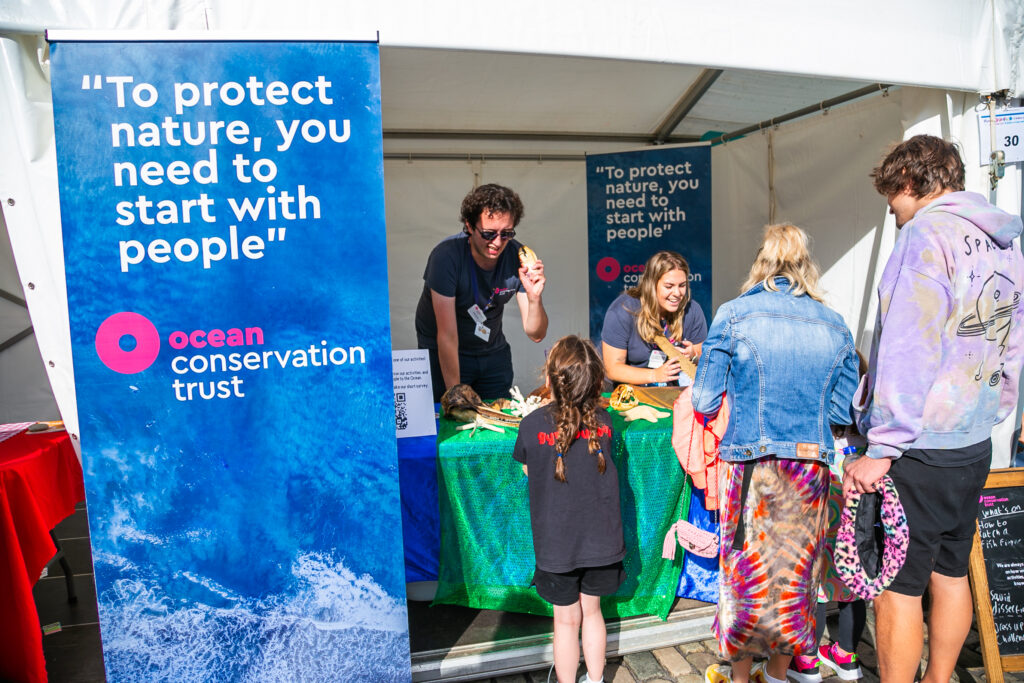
498, 650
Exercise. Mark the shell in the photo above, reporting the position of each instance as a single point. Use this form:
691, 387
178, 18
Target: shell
527, 256
462, 404
623, 398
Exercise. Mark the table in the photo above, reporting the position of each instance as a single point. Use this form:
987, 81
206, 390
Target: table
40, 483
486, 553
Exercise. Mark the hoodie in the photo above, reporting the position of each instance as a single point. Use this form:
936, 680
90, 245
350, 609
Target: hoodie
949, 339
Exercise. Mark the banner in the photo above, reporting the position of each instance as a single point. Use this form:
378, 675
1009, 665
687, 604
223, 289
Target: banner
640, 203
223, 220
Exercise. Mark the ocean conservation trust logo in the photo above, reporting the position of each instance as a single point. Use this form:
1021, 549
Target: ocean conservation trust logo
609, 268
129, 343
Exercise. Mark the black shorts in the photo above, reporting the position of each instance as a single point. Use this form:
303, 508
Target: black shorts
564, 588
941, 504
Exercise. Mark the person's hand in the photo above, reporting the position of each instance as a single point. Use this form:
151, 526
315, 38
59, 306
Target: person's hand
667, 372
862, 474
533, 279
689, 349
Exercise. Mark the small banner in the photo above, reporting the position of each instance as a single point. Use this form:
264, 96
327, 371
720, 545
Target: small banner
640, 203
223, 220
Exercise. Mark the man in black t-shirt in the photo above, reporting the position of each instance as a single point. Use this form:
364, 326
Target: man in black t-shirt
467, 282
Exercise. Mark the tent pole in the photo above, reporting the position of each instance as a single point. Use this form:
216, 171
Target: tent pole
821, 106
687, 102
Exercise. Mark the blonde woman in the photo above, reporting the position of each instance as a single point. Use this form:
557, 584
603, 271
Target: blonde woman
660, 304
788, 366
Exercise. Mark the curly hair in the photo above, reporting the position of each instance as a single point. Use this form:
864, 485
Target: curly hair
575, 373
492, 199
922, 165
648, 318
785, 252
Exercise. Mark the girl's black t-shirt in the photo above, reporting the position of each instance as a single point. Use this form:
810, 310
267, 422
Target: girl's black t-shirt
576, 523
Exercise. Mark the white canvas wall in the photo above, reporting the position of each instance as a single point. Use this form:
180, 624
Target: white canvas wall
821, 183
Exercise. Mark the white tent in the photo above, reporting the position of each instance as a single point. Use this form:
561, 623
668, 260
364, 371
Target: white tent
517, 93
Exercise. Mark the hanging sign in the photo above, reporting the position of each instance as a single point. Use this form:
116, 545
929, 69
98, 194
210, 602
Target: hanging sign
642, 202
1009, 135
223, 221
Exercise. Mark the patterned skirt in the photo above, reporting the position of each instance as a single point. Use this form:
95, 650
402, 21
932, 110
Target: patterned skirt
771, 562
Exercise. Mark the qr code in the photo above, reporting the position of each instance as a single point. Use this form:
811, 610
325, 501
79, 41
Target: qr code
401, 412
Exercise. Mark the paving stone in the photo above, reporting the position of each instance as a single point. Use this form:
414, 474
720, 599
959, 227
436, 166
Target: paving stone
691, 678
644, 666
973, 640
692, 647
618, 673
969, 658
711, 645
869, 676
673, 661
701, 661
867, 655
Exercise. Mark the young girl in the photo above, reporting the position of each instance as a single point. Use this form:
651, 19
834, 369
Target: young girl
565, 448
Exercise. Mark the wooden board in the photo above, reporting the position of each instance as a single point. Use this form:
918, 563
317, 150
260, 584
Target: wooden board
996, 572
659, 397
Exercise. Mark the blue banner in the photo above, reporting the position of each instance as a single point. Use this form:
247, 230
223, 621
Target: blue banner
223, 220
640, 203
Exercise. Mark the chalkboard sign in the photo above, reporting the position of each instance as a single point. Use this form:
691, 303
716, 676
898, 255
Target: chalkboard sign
997, 572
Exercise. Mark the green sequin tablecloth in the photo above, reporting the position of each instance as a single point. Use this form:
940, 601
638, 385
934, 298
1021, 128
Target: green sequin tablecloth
486, 556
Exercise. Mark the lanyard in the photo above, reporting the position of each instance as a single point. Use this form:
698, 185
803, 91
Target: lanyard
667, 331
473, 282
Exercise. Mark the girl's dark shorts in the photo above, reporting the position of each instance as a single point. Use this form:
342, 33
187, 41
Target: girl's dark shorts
941, 504
564, 589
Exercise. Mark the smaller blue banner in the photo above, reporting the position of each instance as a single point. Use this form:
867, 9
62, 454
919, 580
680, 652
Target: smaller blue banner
640, 203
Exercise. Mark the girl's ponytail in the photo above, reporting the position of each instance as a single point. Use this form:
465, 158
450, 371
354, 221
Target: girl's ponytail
575, 374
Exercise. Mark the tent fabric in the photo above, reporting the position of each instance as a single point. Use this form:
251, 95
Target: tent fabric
906, 43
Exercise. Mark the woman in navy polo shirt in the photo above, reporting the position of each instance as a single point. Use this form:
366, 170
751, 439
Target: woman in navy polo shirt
660, 304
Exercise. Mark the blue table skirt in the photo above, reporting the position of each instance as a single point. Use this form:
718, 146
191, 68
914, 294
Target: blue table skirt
417, 471
421, 526
699, 580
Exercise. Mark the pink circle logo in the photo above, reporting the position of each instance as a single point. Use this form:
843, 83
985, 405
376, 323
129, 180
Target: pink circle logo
608, 269
127, 324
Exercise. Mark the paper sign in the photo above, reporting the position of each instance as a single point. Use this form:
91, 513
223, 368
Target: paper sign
1009, 135
414, 396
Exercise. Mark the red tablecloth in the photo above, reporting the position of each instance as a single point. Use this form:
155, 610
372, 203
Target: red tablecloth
40, 483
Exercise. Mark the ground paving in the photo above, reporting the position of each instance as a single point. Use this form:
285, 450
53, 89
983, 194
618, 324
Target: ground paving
686, 664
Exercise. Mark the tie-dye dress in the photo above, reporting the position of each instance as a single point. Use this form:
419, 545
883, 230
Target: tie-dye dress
768, 585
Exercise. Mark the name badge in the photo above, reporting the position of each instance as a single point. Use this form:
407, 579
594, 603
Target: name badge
657, 359
482, 331
476, 314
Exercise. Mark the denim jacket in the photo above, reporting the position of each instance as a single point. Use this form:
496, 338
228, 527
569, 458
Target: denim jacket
789, 367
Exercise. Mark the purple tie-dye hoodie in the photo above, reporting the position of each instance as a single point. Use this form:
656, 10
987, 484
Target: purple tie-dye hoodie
949, 339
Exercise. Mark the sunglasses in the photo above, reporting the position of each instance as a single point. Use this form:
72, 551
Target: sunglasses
489, 235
